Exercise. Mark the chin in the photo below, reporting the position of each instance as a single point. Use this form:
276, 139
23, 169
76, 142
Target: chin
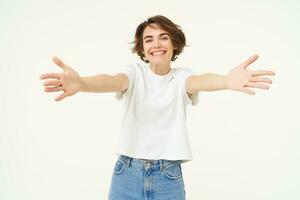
154, 62
159, 61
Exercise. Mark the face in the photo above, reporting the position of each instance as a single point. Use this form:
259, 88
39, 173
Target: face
158, 47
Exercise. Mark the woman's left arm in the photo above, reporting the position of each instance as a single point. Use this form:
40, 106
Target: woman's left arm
239, 79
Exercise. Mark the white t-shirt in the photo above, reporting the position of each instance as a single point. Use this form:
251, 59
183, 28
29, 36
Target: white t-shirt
154, 118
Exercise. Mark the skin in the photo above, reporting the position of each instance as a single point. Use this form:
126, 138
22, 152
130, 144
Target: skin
156, 40
158, 50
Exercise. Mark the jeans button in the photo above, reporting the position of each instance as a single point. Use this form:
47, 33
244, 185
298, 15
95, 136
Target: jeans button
147, 165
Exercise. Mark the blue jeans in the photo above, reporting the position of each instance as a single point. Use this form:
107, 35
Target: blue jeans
141, 179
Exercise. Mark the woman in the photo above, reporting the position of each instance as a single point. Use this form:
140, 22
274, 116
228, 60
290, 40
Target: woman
154, 141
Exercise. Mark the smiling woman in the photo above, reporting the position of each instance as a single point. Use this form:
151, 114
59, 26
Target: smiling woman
154, 141
161, 26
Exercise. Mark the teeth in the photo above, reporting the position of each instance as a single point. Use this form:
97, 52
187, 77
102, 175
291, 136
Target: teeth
157, 53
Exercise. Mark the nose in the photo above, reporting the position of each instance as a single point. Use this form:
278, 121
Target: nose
156, 44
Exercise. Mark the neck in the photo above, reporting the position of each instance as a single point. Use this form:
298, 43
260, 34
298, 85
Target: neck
160, 69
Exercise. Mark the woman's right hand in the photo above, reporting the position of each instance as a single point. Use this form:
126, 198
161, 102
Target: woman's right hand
69, 81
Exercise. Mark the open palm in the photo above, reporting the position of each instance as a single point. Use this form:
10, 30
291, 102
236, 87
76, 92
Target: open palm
240, 78
69, 81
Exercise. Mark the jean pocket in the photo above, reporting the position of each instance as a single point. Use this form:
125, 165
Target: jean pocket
119, 167
173, 171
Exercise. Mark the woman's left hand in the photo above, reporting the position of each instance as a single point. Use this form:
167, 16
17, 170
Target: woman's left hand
240, 78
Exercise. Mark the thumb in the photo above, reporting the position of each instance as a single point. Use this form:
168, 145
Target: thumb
59, 63
249, 61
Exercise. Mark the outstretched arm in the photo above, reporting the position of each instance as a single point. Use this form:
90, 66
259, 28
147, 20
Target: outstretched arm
239, 79
70, 82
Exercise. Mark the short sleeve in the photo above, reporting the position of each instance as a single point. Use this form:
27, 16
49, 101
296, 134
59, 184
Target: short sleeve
194, 99
129, 71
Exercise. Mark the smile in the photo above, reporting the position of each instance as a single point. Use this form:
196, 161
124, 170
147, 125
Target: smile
155, 53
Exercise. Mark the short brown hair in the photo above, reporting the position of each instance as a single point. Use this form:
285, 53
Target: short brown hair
175, 32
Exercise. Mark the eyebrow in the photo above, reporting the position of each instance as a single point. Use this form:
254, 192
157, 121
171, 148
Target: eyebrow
150, 36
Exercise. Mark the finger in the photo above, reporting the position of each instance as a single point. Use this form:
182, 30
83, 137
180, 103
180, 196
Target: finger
58, 62
52, 83
60, 97
249, 61
257, 85
261, 79
50, 75
263, 73
248, 91
52, 89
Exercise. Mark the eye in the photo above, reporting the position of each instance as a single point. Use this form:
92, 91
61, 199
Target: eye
148, 41
165, 38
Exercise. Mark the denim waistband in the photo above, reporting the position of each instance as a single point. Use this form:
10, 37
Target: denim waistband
146, 163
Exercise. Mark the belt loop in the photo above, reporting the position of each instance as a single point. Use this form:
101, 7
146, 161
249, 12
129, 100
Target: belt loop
128, 161
161, 165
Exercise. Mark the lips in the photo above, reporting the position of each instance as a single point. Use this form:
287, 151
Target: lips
155, 53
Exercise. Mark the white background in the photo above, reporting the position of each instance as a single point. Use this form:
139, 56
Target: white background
244, 147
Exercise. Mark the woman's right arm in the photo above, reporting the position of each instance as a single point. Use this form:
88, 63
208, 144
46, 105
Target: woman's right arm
70, 82
104, 83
